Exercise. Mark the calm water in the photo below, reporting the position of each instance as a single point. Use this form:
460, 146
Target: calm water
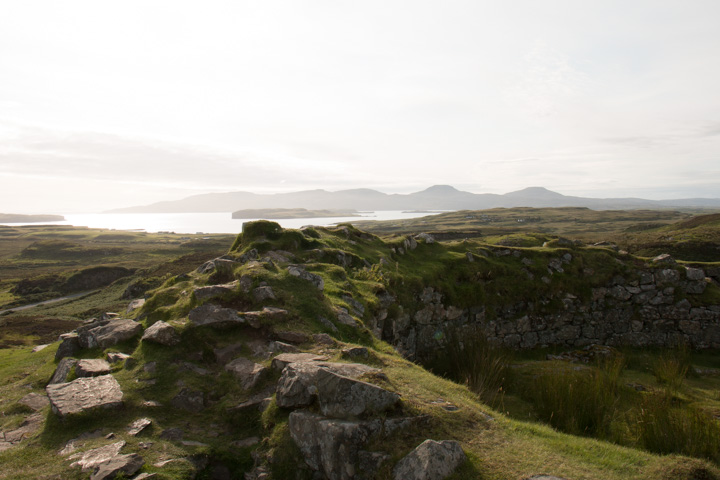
207, 222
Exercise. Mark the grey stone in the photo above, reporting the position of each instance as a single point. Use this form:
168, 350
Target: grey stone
260, 294
225, 354
84, 394
69, 346
431, 460
135, 304
214, 291
282, 347
38, 348
695, 273
356, 352
115, 357
92, 367
329, 446
284, 359
106, 333
190, 400
323, 339
665, 258
300, 272
128, 464
345, 318
138, 426
34, 401
162, 333
90, 459
293, 337
337, 395
426, 237
62, 371
248, 372
214, 315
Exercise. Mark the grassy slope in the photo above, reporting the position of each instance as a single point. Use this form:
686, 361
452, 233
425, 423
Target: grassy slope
499, 446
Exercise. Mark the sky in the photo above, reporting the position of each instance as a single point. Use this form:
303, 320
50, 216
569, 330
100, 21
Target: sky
113, 104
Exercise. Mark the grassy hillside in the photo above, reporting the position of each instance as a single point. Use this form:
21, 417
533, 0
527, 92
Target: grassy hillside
513, 430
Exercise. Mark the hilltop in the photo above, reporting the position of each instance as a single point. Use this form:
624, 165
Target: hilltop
310, 354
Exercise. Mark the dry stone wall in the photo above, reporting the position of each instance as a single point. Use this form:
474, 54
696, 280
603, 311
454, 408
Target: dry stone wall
652, 308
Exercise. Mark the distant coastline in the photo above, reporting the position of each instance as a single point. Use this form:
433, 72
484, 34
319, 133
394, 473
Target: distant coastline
19, 218
285, 213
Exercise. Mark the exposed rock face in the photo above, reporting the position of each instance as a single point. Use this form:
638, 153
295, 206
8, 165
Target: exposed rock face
248, 372
62, 371
431, 460
214, 315
222, 266
92, 367
115, 357
214, 291
293, 337
162, 333
105, 333
135, 304
300, 272
337, 395
84, 394
329, 446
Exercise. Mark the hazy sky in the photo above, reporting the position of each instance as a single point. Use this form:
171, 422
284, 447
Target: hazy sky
111, 104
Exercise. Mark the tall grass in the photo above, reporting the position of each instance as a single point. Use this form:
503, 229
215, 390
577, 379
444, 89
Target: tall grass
580, 402
470, 359
663, 426
671, 368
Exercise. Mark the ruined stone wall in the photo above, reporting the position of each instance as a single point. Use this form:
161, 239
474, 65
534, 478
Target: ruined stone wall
644, 311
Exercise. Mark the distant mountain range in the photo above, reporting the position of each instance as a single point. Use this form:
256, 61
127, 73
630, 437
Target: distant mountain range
438, 197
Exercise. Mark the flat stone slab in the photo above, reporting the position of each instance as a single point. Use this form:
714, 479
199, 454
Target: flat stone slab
214, 315
213, 291
92, 367
92, 458
84, 394
138, 426
284, 359
127, 464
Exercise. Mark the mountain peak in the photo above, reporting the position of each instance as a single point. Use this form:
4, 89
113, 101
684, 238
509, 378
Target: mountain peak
441, 189
539, 192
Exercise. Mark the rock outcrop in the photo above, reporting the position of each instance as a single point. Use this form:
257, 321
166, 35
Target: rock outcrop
210, 314
106, 333
162, 333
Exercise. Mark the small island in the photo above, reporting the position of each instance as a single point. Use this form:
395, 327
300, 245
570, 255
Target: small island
285, 213
19, 218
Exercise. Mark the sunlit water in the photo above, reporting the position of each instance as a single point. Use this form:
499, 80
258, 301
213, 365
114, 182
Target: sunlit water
208, 222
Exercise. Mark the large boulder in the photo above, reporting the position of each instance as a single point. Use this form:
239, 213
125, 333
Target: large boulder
337, 395
162, 333
214, 315
84, 394
330, 446
105, 333
431, 460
